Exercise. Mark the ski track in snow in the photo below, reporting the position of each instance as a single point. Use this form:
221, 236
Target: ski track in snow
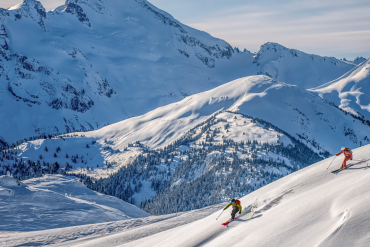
336, 229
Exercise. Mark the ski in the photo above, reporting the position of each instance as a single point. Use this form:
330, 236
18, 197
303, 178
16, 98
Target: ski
227, 222
360, 161
336, 170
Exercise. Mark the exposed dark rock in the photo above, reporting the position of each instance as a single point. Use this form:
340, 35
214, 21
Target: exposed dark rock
75, 9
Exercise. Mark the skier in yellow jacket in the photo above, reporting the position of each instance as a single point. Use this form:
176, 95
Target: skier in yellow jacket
236, 207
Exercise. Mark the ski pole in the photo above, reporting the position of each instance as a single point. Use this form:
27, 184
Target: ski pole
220, 214
331, 162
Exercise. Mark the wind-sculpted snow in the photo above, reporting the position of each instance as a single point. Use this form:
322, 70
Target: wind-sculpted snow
96, 62
350, 92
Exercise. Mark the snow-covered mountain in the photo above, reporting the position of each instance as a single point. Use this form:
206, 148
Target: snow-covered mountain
359, 60
93, 62
350, 92
356, 61
311, 207
248, 132
298, 68
55, 201
290, 108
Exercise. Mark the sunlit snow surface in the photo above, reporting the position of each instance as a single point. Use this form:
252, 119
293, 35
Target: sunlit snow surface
311, 207
55, 201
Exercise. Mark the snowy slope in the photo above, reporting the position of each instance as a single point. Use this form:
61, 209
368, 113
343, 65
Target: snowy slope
350, 91
55, 201
93, 62
311, 207
108, 233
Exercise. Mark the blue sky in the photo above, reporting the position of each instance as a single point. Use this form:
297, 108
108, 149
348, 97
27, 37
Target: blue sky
339, 28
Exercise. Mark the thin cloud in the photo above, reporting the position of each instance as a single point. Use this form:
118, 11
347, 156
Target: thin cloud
333, 30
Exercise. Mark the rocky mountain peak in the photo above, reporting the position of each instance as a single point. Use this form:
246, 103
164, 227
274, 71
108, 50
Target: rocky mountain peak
32, 9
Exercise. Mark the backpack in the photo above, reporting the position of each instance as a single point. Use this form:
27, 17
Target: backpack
238, 202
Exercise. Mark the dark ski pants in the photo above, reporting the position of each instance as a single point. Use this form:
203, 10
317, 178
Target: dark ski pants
234, 211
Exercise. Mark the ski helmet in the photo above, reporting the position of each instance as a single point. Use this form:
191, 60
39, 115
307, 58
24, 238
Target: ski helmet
233, 200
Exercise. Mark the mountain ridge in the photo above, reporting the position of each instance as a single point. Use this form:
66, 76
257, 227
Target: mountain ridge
132, 59
349, 91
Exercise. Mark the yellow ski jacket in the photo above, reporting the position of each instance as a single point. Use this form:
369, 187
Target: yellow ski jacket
235, 204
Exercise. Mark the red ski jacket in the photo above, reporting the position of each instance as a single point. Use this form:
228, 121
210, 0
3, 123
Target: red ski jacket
346, 152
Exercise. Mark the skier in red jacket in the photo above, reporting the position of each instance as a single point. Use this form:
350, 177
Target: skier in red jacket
347, 156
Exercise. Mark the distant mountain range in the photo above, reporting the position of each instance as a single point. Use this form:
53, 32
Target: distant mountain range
89, 63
